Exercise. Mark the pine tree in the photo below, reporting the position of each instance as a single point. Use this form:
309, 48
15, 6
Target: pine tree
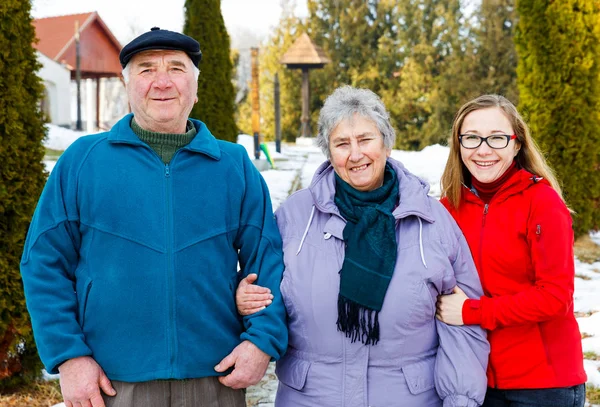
216, 97
558, 44
21, 180
496, 66
360, 38
433, 79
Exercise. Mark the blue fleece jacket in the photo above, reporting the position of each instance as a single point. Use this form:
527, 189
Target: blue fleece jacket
134, 262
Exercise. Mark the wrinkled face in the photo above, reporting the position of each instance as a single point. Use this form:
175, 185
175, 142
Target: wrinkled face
358, 154
485, 163
162, 90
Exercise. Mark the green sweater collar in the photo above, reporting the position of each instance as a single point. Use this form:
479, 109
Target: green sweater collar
164, 144
170, 139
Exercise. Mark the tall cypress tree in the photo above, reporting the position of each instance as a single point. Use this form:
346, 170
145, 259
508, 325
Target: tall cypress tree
558, 44
216, 96
21, 181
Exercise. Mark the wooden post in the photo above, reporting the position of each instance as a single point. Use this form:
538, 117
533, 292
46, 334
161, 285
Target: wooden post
98, 103
78, 125
277, 115
255, 102
305, 99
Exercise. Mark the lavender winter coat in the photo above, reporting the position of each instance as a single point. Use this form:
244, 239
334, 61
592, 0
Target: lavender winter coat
419, 361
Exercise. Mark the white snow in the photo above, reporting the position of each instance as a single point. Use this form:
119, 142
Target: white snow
60, 138
295, 166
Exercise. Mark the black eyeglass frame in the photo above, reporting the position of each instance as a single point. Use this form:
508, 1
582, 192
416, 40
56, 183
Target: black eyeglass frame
508, 138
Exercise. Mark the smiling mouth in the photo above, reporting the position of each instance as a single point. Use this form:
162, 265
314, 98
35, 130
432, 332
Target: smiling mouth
357, 169
485, 163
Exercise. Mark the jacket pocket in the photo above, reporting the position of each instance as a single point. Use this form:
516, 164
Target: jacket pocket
420, 375
292, 371
82, 298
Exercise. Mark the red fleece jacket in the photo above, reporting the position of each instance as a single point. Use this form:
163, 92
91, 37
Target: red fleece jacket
522, 244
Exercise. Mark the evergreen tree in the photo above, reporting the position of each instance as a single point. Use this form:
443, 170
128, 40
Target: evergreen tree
558, 75
496, 66
21, 180
360, 38
433, 79
216, 97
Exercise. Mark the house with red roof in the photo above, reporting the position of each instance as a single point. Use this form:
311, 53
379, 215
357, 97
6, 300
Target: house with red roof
102, 91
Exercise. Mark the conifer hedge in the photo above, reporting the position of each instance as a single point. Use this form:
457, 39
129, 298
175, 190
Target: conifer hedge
216, 96
558, 43
21, 180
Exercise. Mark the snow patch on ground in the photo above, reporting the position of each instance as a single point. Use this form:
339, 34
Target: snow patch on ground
427, 164
60, 138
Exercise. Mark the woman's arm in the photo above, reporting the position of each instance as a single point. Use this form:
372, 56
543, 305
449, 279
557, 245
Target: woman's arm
462, 358
251, 298
550, 239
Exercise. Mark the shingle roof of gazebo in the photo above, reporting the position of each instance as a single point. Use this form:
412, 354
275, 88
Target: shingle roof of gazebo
304, 52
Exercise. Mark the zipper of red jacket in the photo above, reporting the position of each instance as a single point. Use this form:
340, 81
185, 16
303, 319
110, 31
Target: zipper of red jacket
481, 275
485, 212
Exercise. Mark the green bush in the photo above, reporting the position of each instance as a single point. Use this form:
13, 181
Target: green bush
558, 79
216, 97
21, 181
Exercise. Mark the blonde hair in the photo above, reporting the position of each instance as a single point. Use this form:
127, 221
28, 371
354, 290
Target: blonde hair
529, 156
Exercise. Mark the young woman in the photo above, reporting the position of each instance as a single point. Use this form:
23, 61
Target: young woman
508, 204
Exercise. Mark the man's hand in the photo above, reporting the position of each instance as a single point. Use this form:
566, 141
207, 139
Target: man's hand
80, 382
251, 298
250, 365
449, 307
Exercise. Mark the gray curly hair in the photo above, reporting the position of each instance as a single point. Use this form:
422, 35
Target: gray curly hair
344, 103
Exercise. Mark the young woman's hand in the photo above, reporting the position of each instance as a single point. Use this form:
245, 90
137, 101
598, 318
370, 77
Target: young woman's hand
449, 307
251, 298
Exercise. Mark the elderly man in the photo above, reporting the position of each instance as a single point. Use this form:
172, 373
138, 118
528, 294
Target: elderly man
130, 265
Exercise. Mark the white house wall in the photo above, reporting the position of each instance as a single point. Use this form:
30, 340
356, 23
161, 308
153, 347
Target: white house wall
57, 81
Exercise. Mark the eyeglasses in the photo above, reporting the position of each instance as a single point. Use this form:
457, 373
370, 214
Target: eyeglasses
496, 141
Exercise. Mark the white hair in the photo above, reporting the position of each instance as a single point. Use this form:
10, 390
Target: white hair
344, 103
125, 73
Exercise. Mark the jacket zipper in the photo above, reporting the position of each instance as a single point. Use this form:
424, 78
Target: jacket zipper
170, 268
485, 212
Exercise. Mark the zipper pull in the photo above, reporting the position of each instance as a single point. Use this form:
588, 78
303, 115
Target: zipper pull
167, 171
485, 211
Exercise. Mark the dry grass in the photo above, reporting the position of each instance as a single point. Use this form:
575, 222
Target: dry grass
593, 394
586, 250
584, 314
585, 335
40, 394
591, 356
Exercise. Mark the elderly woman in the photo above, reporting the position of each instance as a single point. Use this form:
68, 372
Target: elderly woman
508, 204
366, 254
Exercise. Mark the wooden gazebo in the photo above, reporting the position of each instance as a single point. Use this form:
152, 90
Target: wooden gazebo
305, 55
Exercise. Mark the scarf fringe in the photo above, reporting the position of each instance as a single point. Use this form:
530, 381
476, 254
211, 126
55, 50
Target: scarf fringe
358, 322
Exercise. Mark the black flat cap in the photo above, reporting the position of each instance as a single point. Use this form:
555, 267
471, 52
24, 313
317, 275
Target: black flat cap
161, 39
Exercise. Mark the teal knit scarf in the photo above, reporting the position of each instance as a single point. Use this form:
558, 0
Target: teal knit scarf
370, 255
